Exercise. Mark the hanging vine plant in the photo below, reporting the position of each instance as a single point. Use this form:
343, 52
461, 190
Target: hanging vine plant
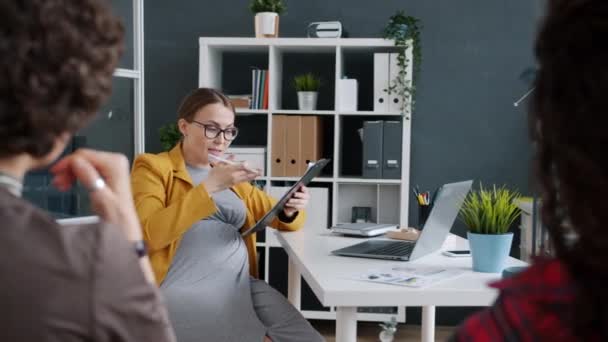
404, 30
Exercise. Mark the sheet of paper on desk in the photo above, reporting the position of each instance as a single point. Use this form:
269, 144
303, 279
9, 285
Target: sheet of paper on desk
408, 276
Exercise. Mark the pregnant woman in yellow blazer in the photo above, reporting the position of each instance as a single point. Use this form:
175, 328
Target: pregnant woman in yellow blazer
192, 212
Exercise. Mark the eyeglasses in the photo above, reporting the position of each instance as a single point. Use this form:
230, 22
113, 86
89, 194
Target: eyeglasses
212, 131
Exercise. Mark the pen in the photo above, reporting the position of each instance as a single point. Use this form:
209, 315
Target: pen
223, 160
415, 193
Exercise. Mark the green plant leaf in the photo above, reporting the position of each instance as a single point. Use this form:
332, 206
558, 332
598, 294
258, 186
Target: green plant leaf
258, 6
490, 211
307, 82
402, 29
169, 136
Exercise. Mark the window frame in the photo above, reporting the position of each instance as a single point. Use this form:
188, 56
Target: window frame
137, 75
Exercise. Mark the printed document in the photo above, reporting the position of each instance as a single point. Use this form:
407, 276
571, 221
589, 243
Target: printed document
409, 276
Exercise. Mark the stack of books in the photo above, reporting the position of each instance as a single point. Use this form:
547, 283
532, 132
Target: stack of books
259, 89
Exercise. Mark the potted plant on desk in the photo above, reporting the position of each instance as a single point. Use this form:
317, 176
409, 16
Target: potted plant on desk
307, 86
489, 214
267, 17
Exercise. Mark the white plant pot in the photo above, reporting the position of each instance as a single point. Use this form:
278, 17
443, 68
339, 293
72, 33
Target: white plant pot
307, 100
266, 25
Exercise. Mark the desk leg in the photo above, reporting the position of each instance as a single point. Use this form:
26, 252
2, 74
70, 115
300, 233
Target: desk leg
293, 285
428, 323
346, 324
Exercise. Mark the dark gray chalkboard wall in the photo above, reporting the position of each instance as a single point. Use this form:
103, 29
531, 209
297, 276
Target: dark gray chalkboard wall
464, 125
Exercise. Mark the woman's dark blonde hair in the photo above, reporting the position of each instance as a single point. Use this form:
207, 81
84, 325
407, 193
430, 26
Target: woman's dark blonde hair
200, 98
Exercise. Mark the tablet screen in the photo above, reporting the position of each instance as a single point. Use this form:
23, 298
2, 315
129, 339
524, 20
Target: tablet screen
312, 172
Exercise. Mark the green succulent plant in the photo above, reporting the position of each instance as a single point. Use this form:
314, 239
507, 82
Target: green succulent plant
307, 82
276, 6
490, 211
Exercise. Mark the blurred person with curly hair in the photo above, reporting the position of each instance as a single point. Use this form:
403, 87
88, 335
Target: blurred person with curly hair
72, 283
563, 298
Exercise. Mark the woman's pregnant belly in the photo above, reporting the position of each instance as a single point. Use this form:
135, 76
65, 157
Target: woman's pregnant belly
207, 288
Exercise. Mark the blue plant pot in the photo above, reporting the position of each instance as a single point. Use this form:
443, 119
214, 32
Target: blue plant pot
489, 252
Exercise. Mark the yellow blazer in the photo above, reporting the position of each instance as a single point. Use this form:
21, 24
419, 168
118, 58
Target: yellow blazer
168, 204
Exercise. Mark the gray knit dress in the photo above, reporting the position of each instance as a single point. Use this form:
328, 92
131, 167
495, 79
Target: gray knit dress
209, 292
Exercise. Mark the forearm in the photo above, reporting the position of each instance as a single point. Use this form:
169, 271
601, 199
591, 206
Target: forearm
293, 223
134, 235
146, 268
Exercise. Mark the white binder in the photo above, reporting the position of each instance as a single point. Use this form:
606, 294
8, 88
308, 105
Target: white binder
381, 73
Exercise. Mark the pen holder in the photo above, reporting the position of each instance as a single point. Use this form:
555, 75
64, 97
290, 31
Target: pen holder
423, 214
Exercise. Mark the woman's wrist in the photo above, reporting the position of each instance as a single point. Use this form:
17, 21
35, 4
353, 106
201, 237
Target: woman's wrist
130, 224
286, 217
210, 186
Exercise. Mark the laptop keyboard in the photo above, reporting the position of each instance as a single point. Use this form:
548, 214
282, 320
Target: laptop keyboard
396, 248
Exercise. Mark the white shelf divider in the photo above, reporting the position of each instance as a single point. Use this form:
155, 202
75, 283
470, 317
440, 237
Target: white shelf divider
294, 179
367, 113
246, 111
303, 112
355, 180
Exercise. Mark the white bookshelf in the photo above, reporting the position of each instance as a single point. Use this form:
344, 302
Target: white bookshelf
251, 111
387, 197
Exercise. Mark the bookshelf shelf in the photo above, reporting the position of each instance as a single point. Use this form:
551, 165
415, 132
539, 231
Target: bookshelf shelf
237, 43
293, 179
368, 113
368, 181
303, 112
246, 111
225, 62
342, 180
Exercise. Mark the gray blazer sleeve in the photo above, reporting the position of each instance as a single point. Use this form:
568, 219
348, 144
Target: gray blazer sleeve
125, 306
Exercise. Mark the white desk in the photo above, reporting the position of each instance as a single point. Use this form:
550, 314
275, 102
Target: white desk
309, 256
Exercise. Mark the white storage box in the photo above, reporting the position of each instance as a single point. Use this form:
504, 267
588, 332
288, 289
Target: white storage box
347, 96
254, 156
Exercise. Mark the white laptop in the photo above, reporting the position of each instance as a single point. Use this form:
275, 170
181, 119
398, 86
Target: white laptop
437, 227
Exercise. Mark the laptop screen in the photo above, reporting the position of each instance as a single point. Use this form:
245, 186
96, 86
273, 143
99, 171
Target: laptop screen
443, 214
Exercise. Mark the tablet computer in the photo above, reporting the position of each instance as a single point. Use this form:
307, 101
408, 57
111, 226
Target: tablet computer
312, 172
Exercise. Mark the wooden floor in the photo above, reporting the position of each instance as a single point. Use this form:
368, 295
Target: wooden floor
368, 331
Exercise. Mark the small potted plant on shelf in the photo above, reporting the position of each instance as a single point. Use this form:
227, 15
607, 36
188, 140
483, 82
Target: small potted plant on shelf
489, 214
307, 86
267, 17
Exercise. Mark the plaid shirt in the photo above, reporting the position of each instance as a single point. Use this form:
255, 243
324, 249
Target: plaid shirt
532, 306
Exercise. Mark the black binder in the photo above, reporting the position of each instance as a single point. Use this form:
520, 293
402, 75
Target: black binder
372, 149
391, 150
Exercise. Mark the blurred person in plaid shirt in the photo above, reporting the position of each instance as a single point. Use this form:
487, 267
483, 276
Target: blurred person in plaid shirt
563, 298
